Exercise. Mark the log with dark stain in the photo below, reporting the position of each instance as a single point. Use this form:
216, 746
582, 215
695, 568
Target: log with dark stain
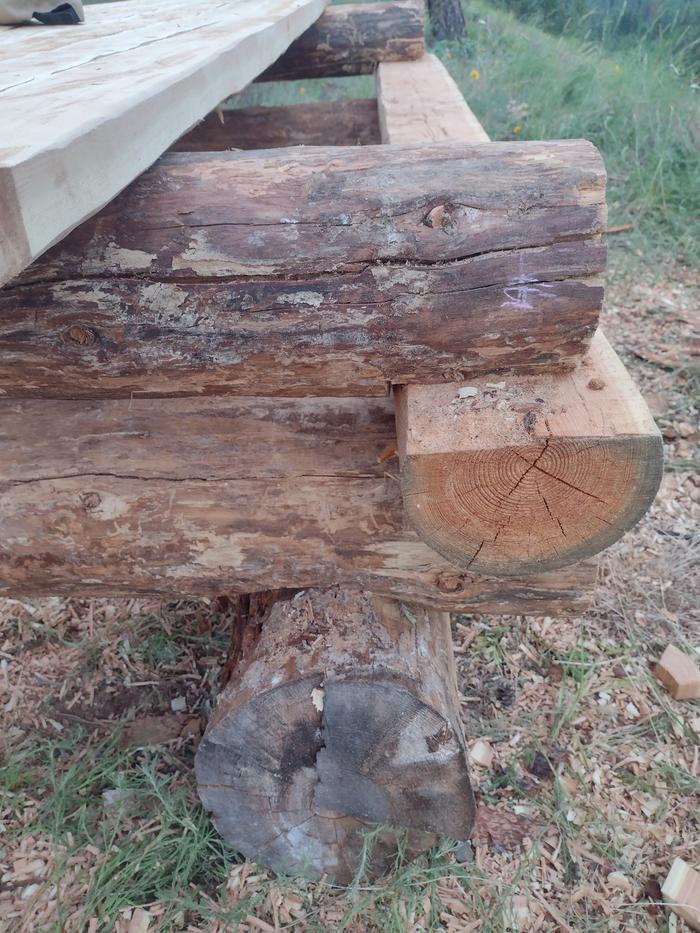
351, 40
317, 271
326, 123
201, 496
307, 748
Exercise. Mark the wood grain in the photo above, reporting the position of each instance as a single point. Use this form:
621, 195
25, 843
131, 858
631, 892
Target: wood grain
353, 39
528, 474
342, 714
325, 123
198, 496
81, 119
317, 271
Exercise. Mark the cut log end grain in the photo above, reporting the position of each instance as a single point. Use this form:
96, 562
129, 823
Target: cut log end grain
681, 891
679, 674
343, 715
525, 473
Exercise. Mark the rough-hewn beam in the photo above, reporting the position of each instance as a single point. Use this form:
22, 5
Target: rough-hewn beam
326, 123
195, 496
342, 713
312, 270
420, 103
352, 39
530, 473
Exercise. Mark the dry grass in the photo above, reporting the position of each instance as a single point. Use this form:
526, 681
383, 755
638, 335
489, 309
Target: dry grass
593, 791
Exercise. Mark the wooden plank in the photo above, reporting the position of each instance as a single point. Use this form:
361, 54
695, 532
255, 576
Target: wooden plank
352, 39
530, 473
195, 496
326, 123
317, 271
420, 103
82, 118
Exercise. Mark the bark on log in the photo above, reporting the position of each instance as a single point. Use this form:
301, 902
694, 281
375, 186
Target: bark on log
528, 474
317, 271
199, 496
327, 123
351, 40
342, 714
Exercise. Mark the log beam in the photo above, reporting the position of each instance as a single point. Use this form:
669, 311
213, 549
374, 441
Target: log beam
316, 271
353, 39
341, 714
326, 123
195, 496
529, 473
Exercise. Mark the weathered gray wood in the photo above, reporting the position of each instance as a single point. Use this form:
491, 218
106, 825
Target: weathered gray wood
352, 39
198, 496
317, 271
326, 123
342, 714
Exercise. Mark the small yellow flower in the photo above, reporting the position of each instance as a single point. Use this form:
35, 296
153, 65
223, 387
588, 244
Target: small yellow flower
302, 91
474, 74
617, 69
516, 130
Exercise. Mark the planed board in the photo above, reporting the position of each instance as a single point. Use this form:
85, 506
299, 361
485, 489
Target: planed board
85, 111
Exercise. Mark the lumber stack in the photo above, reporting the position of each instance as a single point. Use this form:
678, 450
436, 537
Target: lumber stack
345, 359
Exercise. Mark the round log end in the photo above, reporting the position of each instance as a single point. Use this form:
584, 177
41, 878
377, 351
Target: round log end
525, 509
329, 731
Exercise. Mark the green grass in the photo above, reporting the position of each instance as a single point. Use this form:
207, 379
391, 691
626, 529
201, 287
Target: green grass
636, 105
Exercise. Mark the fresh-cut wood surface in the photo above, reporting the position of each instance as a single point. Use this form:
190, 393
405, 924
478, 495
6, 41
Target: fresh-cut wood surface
326, 271
85, 109
226, 495
528, 473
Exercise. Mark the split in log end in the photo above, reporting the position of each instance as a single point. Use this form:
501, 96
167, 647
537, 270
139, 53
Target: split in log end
343, 716
510, 475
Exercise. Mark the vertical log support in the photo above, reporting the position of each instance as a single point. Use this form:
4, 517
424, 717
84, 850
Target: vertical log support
342, 713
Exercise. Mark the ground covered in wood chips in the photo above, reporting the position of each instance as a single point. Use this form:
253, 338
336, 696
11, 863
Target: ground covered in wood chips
594, 786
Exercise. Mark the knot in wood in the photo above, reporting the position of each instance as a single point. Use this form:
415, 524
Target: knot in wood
596, 384
438, 218
78, 333
90, 500
448, 582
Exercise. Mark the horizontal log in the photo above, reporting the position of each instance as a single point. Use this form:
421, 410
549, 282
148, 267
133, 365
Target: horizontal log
342, 715
194, 496
326, 123
352, 39
528, 474
317, 271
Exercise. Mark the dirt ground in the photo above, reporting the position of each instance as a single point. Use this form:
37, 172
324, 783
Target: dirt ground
593, 790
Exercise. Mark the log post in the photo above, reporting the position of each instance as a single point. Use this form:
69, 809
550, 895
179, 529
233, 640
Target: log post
341, 714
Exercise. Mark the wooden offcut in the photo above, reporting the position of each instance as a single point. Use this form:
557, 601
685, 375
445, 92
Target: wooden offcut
353, 39
528, 473
324, 123
83, 114
202, 496
681, 891
342, 713
317, 271
679, 674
